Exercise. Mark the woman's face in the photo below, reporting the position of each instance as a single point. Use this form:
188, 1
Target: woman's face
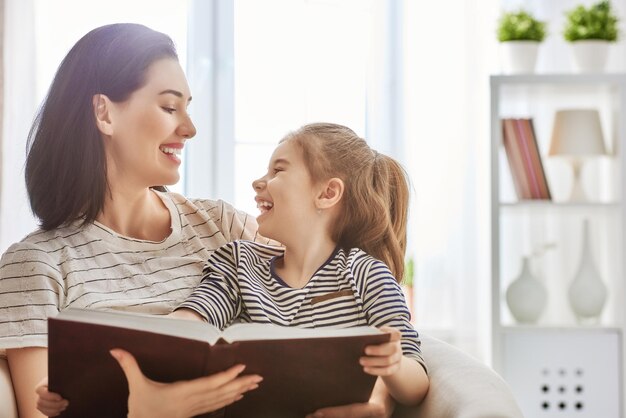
149, 129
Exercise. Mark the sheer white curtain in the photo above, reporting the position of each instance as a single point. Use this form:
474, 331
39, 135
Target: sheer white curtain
1, 89
413, 78
449, 52
423, 98
19, 107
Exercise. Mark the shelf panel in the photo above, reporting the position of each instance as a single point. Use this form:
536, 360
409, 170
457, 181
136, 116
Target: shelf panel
550, 205
558, 79
555, 329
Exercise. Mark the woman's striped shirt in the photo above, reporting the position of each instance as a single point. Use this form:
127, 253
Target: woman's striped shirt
350, 289
93, 267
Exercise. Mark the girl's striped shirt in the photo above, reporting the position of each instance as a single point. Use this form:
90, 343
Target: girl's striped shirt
350, 289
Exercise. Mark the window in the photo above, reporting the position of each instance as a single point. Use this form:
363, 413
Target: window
38, 34
57, 30
307, 63
258, 69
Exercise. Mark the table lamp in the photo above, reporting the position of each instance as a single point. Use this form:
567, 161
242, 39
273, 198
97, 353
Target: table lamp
577, 135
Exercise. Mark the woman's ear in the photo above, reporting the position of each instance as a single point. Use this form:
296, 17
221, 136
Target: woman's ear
102, 112
330, 194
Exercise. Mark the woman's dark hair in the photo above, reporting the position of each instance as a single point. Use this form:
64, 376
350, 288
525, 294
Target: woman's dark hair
66, 163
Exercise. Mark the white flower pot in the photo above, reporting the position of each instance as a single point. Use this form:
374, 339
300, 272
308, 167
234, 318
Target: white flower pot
590, 55
519, 57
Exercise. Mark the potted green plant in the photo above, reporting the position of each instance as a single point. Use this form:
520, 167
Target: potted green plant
591, 30
520, 34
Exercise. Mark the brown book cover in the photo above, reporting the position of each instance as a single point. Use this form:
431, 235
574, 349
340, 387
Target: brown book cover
529, 130
525, 147
514, 157
303, 369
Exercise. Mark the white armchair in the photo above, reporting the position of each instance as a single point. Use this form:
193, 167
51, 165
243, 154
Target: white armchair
8, 409
460, 387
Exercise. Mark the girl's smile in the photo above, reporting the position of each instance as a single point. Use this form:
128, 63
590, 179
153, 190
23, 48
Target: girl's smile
263, 205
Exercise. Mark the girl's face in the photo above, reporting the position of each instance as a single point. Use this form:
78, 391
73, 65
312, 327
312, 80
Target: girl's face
285, 195
150, 128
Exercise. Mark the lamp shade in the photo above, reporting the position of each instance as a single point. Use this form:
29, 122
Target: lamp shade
577, 133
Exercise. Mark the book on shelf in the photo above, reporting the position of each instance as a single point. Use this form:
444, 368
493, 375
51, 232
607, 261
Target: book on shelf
303, 369
514, 157
525, 163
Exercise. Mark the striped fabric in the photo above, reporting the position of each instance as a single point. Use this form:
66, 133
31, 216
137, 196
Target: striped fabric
350, 289
94, 267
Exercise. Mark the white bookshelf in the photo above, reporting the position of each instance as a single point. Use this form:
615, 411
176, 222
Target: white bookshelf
519, 227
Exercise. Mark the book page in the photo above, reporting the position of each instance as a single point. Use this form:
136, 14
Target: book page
159, 324
248, 331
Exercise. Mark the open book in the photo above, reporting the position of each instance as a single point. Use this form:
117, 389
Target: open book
303, 369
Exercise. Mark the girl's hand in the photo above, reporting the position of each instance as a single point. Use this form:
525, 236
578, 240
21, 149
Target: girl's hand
383, 359
49, 403
182, 399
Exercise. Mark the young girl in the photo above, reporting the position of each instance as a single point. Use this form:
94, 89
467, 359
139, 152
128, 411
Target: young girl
340, 210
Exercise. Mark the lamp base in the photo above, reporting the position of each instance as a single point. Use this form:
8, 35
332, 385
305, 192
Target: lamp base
578, 193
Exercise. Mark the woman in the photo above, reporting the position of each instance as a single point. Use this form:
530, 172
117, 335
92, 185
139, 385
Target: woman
111, 128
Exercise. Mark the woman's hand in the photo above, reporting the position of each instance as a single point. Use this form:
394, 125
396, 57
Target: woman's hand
49, 403
358, 410
182, 399
384, 359
380, 405
184, 313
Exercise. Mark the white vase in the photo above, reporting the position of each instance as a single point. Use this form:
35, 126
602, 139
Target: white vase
590, 55
519, 57
526, 296
587, 292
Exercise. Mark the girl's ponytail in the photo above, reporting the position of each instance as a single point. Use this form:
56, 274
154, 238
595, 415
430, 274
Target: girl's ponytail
376, 212
376, 197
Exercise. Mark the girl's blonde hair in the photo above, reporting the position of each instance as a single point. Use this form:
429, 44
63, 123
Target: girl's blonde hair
376, 196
